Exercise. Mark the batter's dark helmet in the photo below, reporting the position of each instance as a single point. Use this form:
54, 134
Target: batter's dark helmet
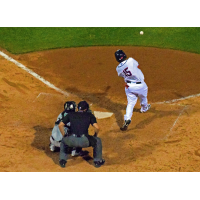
70, 106
120, 55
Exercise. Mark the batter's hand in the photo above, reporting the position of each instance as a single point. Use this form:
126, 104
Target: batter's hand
126, 86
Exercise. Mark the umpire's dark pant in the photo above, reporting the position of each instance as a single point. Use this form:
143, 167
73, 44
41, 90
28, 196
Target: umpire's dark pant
83, 142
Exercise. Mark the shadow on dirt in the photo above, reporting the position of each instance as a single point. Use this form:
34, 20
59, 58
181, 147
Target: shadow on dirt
41, 142
118, 147
127, 146
158, 114
102, 101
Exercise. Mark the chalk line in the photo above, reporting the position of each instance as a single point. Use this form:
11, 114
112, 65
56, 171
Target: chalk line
175, 123
33, 73
43, 93
175, 100
65, 93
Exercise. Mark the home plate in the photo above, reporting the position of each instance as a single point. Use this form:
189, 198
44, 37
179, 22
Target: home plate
101, 115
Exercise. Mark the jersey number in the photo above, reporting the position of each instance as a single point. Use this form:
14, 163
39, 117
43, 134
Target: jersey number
126, 72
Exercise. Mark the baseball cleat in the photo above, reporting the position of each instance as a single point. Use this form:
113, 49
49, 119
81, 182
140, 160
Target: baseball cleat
62, 163
143, 110
99, 163
125, 125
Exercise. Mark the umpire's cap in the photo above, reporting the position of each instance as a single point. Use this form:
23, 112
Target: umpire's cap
82, 105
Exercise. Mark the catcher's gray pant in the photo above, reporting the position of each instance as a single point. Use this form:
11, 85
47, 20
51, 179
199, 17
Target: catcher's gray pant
72, 141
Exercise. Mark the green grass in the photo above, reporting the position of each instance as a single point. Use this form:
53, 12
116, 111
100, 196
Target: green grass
19, 40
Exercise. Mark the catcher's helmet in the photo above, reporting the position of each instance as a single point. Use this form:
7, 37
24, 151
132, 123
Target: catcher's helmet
120, 55
70, 106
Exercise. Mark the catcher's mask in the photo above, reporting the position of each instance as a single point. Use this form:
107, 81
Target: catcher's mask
120, 56
82, 105
70, 106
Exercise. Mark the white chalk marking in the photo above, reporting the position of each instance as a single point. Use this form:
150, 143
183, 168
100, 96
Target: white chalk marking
175, 100
175, 123
33, 73
43, 93
38, 95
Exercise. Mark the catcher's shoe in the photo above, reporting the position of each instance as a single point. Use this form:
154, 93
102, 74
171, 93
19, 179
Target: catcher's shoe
62, 163
99, 163
145, 109
52, 147
125, 125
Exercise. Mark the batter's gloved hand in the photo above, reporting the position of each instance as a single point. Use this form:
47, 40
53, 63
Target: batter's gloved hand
126, 86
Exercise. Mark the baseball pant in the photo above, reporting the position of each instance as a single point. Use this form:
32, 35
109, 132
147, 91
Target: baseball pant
54, 142
82, 142
133, 92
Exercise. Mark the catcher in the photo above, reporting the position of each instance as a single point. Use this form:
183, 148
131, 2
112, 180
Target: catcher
56, 137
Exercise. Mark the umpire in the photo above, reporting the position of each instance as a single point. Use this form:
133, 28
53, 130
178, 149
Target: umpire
80, 122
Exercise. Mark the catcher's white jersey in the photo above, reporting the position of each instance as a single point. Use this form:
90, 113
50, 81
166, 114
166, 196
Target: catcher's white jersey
129, 70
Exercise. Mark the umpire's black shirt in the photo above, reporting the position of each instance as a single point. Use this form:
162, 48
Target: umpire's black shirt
79, 122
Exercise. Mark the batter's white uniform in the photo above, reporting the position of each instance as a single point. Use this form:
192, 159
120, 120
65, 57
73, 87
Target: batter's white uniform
135, 85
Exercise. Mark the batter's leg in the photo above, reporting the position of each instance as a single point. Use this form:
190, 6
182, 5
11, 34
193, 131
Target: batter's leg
143, 98
132, 100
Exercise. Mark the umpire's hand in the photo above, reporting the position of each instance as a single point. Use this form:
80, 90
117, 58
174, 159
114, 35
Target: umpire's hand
95, 134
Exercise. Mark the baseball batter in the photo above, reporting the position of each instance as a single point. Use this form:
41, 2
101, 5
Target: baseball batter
134, 85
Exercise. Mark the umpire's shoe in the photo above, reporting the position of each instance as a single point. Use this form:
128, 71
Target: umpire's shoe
62, 163
99, 163
125, 125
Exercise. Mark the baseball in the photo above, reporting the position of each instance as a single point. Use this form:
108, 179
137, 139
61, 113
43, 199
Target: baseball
141, 32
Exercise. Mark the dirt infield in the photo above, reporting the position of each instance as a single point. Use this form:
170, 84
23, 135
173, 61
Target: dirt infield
164, 139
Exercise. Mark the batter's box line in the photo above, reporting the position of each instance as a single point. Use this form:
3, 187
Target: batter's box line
44, 93
181, 99
163, 103
166, 137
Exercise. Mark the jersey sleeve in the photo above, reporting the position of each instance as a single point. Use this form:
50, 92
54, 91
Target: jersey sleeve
93, 119
65, 120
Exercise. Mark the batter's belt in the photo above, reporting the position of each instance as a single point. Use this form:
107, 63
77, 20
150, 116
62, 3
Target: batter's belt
133, 82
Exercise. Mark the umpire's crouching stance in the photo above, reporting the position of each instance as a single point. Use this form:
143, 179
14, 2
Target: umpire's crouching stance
80, 122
